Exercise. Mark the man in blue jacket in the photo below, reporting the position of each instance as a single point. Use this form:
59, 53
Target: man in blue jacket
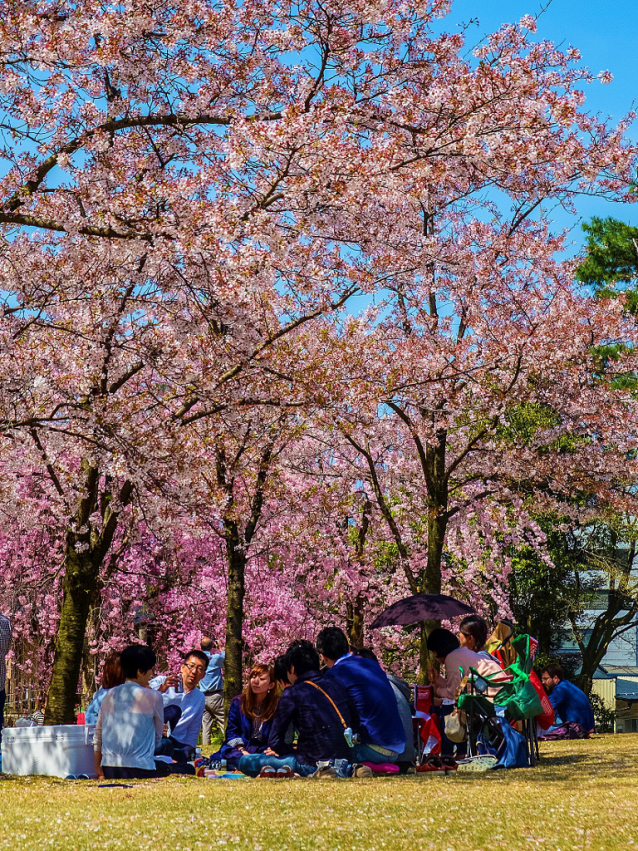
372, 701
317, 708
571, 704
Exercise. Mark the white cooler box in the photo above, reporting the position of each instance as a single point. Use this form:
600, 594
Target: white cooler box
57, 751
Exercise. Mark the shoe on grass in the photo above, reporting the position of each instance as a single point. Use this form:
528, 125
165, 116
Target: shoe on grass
285, 773
323, 773
269, 772
360, 771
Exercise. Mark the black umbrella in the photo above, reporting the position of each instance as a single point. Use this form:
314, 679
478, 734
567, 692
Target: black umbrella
421, 607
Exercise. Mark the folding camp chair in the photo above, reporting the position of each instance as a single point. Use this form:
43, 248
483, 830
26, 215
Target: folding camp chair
518, 697
422, 703
480, 715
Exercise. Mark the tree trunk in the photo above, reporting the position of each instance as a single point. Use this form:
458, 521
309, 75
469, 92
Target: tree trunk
79, 584
88, 659
354, 621
85, 551
233, 665
436, 477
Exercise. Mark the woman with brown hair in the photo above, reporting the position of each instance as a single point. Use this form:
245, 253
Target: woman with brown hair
250, 716
111, 676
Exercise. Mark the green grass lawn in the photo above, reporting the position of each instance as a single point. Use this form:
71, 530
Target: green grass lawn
583, 795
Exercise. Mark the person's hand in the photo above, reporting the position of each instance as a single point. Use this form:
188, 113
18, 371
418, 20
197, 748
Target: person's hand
169, 682
270, 752
438, 701
99, 774
243, 751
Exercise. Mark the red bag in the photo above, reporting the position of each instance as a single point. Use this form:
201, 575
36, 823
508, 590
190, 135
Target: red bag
423, 698
545, 720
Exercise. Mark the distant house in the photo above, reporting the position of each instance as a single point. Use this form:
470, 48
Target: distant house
616, 680
617, 687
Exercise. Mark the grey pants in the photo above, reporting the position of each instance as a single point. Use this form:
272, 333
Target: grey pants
213, 711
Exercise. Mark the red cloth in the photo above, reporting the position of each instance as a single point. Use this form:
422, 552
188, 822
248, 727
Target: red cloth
545, 720
430, 733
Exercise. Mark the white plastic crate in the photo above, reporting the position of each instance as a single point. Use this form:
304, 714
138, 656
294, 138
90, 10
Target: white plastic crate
56, 751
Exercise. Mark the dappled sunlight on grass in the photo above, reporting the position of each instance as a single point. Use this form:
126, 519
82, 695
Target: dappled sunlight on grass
582, 796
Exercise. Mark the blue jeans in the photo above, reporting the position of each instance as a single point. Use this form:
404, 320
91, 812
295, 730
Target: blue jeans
252, 764
364, 753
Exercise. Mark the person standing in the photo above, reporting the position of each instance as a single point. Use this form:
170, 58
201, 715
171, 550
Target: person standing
5, 641
213, 687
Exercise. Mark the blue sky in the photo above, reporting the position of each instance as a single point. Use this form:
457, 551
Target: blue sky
606, 33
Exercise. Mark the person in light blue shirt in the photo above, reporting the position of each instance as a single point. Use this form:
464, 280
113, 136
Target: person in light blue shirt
130, 721
112, 676
184, 703
212, 686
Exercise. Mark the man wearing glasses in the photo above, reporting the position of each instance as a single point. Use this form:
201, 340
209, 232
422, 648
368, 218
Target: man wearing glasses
184, 702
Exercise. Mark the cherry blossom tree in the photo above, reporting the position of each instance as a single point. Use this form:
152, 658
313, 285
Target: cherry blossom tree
192, 193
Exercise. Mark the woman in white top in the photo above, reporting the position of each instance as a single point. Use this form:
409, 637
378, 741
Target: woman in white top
473, 634
130, 721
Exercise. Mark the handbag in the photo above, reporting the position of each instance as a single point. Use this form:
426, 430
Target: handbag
456, 726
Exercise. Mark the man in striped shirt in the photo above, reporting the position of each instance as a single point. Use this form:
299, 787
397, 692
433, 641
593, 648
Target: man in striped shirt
5, 641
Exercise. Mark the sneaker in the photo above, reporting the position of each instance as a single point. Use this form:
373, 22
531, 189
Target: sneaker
285, 772
340, 766
268, 771
322, 773
359, 770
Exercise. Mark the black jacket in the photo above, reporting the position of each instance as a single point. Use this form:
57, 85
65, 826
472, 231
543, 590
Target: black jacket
319, 729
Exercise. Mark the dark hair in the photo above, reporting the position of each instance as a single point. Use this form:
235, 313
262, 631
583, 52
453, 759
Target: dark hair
280, 669
198, 654
206, 644
332, 643
442, 641
475, 626
366, 653
248, 703
554, 669
112, 671
136, 657
303, 656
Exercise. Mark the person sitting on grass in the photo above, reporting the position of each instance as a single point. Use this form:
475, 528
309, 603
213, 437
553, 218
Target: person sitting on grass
111, 676
401, 689
184, 705
281, 673
571, 705
250, 717
130, 721
317, 708
373, 706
